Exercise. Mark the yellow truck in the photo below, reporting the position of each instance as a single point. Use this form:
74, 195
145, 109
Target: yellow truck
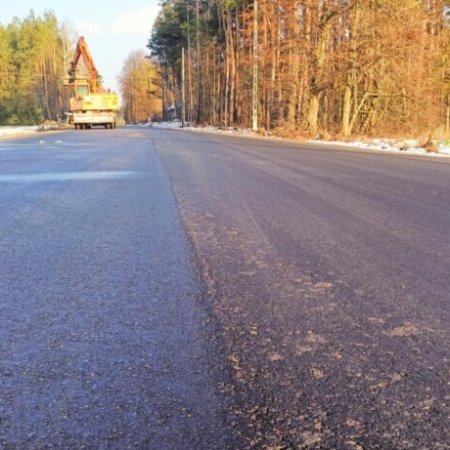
89, 104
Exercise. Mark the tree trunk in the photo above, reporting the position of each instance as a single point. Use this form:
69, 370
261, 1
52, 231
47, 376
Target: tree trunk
346, 111
313, 113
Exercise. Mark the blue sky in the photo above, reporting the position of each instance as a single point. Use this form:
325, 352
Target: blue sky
112, 28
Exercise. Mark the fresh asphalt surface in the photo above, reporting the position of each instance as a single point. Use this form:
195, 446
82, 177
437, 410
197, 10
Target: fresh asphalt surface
173, 290
102, 341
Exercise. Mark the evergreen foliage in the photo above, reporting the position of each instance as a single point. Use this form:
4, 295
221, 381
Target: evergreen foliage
32, 67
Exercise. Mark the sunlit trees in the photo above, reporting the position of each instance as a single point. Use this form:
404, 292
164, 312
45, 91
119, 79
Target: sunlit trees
139, 83
6, 74
335, 66
31, 70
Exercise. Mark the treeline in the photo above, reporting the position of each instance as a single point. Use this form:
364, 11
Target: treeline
33, 57
333, 66
140, 88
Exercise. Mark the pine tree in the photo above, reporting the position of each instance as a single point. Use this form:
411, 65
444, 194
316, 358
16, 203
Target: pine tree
31, 70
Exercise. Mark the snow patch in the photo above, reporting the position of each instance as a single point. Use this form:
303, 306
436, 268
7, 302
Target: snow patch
400, 146
22, 130
12, 131
444, 148
176, 124
406, 146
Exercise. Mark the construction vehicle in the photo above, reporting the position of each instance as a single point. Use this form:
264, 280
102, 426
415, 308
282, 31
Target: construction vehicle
90, 103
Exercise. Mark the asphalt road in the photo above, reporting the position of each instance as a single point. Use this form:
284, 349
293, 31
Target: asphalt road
166, 289
103, 344
329, 272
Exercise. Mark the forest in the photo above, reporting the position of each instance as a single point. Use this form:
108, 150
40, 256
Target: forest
333, 67
301, 67
140, 88
34, 52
